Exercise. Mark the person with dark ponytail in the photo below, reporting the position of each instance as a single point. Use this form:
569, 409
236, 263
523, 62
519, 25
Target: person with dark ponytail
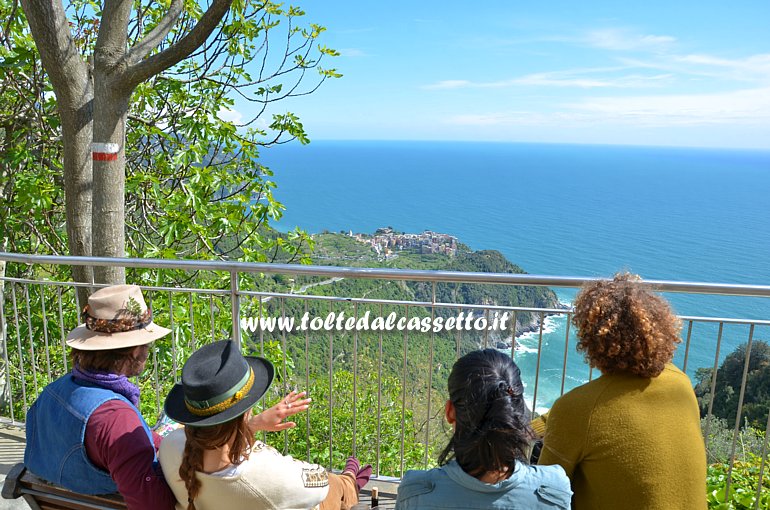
485, 463
215, 462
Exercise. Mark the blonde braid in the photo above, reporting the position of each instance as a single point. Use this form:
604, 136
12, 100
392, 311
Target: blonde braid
192, 462
200, 439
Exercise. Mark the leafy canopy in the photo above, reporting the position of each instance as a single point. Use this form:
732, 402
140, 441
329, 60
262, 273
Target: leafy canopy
195, 187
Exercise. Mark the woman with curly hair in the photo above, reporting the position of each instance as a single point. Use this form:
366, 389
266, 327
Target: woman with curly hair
631, 438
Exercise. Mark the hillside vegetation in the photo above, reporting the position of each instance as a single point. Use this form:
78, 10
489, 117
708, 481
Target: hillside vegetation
399, 376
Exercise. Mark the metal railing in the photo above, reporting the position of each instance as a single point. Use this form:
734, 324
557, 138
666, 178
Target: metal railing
367, 379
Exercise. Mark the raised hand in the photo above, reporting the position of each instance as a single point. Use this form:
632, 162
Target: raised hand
271, 420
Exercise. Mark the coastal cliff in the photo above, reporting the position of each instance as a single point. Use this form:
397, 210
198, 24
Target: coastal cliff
434, 251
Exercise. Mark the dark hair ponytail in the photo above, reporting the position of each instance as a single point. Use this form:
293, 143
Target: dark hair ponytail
492, 427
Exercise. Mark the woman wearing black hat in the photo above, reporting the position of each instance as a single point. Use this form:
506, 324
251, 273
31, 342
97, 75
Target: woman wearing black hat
215, 462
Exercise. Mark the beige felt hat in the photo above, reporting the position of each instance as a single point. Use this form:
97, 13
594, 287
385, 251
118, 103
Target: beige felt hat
115, 317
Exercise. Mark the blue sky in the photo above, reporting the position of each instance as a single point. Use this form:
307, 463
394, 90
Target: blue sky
681, 72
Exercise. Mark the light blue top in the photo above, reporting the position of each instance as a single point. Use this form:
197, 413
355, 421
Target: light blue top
449, 487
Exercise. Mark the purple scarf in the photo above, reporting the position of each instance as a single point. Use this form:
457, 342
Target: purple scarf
117, 383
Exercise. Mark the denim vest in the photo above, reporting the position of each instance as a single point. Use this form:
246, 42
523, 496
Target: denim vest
56, 428
449, 487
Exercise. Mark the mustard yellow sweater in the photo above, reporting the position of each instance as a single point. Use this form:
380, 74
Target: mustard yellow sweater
630, 443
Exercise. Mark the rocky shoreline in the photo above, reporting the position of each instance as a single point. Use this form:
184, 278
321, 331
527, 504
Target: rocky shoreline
533, 326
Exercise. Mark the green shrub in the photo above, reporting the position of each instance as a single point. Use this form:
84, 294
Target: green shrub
720, 439
743, 485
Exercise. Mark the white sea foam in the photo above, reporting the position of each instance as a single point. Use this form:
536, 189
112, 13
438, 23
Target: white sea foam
549, 326
539, 409
524, 348
578, 380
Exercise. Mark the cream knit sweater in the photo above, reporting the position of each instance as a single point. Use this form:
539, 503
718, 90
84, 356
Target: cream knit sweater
266, 481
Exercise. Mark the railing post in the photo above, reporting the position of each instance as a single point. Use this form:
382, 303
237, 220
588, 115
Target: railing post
5, 374
235, 302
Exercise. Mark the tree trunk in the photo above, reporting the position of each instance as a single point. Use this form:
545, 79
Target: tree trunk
72, 85
111, 100
108, 215
76, 137
95, 102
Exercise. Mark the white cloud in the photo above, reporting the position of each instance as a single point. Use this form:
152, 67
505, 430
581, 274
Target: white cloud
744, 107
728, 94
352, 52
502, 119
449, 84
619, 39
670, 69
748, 68
481, 119
740, 106
754, 68
560, 80
572, 78
229, 115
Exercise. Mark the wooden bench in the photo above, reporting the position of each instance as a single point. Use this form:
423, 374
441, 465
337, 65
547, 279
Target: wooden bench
41, 495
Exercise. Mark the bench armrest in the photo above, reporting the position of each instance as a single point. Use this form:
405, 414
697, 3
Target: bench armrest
12, 485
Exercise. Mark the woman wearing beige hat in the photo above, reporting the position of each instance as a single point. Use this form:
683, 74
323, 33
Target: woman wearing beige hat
85, 431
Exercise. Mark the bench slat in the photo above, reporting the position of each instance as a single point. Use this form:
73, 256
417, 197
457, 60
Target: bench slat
42, 495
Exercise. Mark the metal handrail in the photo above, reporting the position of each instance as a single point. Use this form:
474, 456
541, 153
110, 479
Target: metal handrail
728, 289
237, 295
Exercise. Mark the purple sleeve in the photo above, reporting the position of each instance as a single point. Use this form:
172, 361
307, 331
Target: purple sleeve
116, 442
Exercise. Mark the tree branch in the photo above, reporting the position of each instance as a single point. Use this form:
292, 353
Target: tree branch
145, 69
156, 36
113, 31
58, 51
6, 32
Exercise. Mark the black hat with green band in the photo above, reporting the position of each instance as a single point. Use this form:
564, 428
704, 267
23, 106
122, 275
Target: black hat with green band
218, 384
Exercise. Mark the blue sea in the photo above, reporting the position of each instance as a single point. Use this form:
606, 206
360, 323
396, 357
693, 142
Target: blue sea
563, 210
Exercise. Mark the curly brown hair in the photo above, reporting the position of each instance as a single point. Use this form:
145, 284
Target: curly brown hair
623, 327
110, 361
